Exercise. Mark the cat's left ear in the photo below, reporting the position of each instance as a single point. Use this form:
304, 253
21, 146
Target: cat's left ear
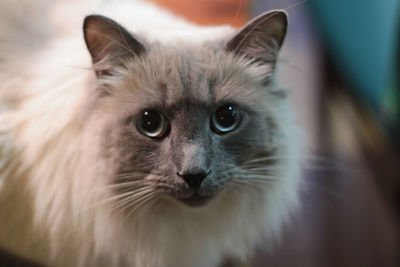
261, 38
109, 43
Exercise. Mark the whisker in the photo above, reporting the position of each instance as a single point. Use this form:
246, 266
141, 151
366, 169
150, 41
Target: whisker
260, 178
145, 200
295, 5
135, 174
133, 197
261, 168
122, 185
238, 11
129, 175
268, 158
115, 197
253, 182
256, 175
136, 202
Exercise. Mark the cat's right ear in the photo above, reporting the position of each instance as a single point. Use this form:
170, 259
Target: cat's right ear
109, 43
261, 39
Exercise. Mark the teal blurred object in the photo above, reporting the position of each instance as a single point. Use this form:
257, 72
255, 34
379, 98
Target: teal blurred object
363, 38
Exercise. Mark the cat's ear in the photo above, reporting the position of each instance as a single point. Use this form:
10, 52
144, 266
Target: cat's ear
109, 43
261, 38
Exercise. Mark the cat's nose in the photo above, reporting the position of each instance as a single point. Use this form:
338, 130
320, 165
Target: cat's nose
194, 178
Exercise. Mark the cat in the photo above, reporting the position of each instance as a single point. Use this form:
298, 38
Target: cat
145, 141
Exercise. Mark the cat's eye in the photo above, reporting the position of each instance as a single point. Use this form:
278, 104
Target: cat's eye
152, 123
225, 119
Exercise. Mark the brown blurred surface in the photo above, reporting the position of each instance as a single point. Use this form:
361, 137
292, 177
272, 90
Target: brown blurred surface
209, 12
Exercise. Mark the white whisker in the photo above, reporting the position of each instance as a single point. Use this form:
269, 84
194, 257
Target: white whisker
268, 158
133, 197
115, 197
140, 203
122, 185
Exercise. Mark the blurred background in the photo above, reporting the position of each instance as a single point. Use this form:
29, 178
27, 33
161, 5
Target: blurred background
341, 63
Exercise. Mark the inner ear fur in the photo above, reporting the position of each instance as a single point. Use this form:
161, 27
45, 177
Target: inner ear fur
261, 38
108, 41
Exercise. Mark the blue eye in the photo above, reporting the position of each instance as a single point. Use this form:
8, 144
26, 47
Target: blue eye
225, 119
152, 123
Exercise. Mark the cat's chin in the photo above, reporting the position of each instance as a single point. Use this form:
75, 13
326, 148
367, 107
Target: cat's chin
196, 200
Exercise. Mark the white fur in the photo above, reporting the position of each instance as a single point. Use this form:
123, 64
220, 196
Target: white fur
47, 174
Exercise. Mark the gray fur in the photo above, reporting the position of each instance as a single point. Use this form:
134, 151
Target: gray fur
188, 84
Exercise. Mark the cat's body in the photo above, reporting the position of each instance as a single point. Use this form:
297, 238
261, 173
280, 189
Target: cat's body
68, 146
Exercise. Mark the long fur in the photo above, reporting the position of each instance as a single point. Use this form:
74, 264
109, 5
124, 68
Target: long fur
49, 211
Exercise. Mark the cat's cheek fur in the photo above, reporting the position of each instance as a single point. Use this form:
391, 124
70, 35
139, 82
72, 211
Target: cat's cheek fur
233, 221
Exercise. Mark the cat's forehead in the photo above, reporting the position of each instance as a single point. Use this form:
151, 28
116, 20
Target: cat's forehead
203, 74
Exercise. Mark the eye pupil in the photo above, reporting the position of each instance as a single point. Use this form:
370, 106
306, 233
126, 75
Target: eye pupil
227, 116
225, 119
152, 123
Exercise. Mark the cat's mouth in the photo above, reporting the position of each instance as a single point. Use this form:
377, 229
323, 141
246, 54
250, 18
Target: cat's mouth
186, 195
196, 200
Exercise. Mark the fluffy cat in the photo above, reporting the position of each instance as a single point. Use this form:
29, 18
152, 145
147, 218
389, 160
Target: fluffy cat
155, 143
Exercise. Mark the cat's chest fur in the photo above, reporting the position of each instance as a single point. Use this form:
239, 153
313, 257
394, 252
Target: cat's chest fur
158, 143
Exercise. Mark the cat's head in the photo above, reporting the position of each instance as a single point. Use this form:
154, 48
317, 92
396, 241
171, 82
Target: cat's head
184, 123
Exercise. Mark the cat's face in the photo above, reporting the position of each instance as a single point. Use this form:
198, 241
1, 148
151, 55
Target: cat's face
185, 122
